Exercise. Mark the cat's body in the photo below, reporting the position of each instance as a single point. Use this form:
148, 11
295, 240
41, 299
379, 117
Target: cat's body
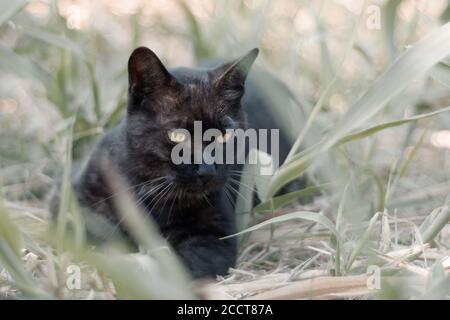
192, 225
190, 203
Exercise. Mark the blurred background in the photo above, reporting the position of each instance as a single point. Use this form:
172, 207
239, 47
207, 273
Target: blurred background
61, 58
64, 62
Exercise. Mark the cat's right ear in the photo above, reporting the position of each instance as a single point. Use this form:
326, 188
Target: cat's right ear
147, 76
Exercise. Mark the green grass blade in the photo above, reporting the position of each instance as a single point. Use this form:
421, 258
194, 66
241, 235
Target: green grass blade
280, 201
10, 254
8, 9
64, 204
363, 240
95, 92
14, 63
244, 199
413, 63
145, 231
389, 23
435, 226
55, 40
441, 73
299, 215
375, 129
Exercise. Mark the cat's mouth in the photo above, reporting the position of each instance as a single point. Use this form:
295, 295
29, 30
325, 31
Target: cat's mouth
196, 186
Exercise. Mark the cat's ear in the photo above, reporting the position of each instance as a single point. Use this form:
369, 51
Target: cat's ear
230, 77
147, 76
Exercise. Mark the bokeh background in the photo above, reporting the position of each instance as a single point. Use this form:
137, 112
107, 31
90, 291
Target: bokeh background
63, 83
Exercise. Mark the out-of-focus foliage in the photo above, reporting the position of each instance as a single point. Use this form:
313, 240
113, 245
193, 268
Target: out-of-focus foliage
371, 77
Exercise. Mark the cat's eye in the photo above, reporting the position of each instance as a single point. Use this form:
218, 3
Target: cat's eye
176, 136
224, 137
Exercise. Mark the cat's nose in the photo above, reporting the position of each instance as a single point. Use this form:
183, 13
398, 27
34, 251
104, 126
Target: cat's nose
206, 171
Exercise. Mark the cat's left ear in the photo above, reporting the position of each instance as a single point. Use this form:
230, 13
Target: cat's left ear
230, 77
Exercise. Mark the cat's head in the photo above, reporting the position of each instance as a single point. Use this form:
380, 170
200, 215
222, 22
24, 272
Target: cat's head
162, 102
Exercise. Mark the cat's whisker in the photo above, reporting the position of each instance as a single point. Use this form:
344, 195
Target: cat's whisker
239, 183
182, 194
151, 191
205, 196
231, 188
118, 223
162, 194
158, 193
173, 202
236, 190
229, 197
142, 184
171, 190
148, 193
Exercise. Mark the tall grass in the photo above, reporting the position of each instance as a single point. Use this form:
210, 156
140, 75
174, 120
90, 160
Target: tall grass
366, 108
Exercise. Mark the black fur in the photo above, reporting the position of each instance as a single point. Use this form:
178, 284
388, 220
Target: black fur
193, 212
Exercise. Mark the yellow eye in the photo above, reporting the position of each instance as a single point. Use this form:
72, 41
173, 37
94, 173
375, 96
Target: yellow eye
224, 137
176, 136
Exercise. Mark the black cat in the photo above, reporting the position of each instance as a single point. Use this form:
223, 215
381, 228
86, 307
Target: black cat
188, 201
